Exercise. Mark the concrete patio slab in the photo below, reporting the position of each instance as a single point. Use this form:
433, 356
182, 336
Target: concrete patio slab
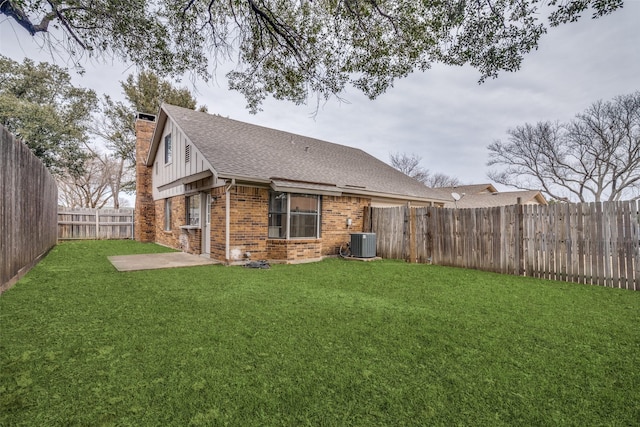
157, 261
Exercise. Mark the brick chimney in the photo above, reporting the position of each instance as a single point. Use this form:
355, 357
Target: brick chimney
145, 212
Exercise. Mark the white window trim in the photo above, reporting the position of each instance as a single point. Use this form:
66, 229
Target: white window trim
288, 218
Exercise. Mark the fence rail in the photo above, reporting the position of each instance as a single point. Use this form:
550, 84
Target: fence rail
590, 243
86, 223
27, 209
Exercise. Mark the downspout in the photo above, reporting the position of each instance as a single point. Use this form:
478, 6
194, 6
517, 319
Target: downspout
227, 231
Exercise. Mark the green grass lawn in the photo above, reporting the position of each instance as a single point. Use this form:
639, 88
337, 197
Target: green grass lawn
334, 343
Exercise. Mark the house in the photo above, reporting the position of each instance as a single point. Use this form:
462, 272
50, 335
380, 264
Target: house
487, 196
234, 191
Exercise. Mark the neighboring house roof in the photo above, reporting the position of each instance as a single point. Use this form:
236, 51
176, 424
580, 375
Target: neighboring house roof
470, 189
487, 200
287, 161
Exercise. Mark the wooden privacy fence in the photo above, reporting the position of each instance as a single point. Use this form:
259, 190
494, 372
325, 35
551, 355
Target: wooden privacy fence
27, 209
87, 223
590, 243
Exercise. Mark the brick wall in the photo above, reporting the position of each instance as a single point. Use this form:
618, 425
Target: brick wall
191, 240
170, 238
187, 240
335, 211
249, 220
144, 219
294, 250
249, 211
218, 224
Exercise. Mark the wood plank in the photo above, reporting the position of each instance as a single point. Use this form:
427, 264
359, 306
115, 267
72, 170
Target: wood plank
580, 242
412, 235
27, 213
634, 234
561, 250
591, 243
598, 252
87, 223
565, 241
616, 254
539, 255
624, 236
606, 243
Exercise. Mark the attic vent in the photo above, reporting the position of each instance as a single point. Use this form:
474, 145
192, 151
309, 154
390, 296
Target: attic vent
187, 153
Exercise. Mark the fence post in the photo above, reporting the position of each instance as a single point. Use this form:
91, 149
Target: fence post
366, 220
97, 224
519, 238
413, 238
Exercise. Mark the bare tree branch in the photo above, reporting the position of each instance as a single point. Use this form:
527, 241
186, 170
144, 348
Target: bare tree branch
596, 156
14, 11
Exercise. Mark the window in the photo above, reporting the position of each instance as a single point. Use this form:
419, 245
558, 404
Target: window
187, 153
167, 149
294, 216
303, 215
278, 215
167, 214
193, 210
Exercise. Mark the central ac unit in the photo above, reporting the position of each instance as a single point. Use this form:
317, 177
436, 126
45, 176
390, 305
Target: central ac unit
363, 245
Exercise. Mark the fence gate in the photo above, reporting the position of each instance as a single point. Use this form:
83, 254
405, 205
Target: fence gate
87, 223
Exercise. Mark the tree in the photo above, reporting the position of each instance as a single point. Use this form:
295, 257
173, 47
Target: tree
146, 92
594, 157
438, 180
89, 189
115, 122
294, 49
409, 164
41, 107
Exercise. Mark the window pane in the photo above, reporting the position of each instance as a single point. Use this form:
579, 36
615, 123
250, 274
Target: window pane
167, 149
303, 225
277, 228
167, 214
304, 203
278, 202
301, 213
193, 210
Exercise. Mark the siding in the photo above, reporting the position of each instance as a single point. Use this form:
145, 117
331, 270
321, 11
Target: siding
163, 174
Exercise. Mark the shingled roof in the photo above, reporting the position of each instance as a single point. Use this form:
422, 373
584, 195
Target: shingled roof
488, 200
249, 153
470, 189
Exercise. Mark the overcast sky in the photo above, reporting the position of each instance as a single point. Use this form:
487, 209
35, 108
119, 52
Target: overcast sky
442, 115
